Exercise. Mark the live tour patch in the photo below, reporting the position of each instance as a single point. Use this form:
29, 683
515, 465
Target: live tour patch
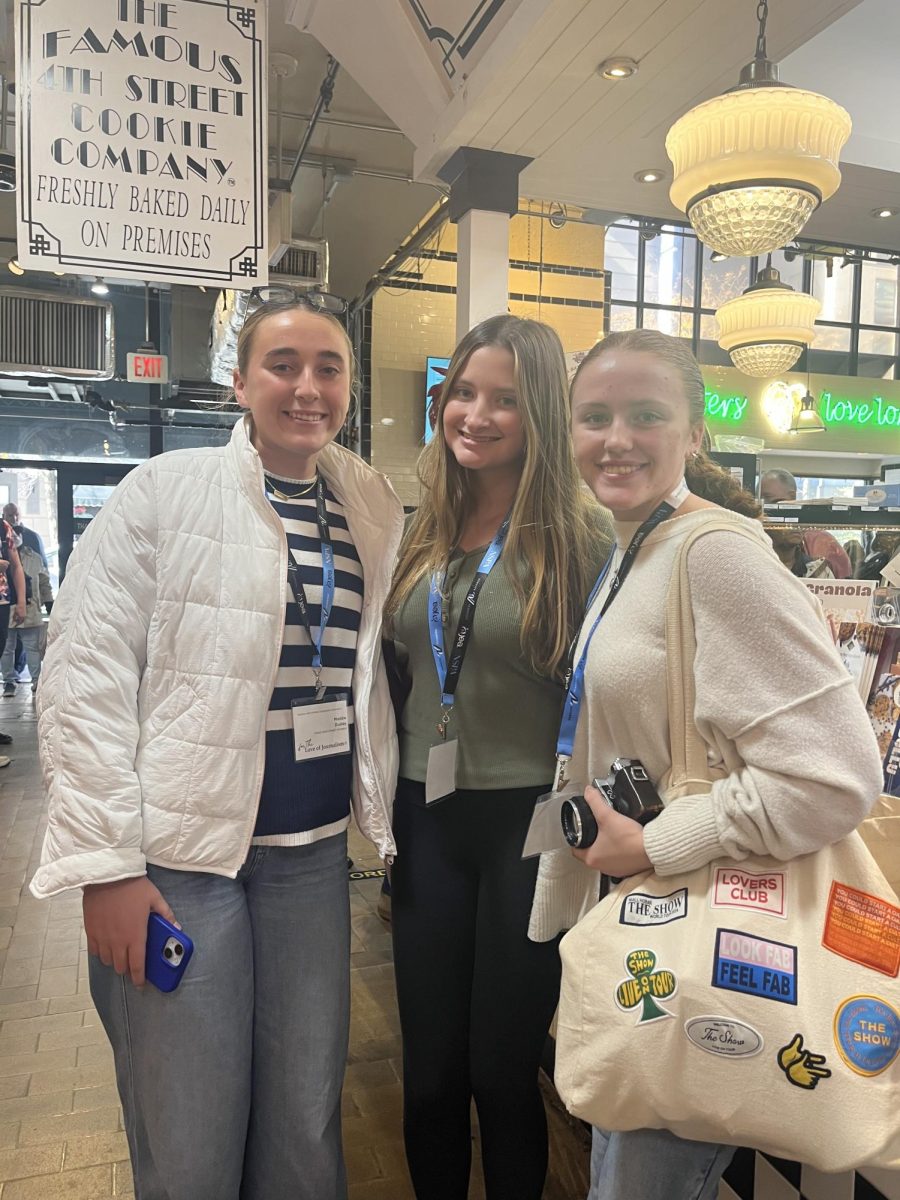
755, 966
863, 928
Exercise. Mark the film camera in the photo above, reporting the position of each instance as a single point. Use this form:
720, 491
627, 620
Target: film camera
627, 788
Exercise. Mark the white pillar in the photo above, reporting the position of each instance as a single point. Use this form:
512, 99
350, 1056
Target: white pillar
482, 267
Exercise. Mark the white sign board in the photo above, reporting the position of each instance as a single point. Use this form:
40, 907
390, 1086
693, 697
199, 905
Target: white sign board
142, 139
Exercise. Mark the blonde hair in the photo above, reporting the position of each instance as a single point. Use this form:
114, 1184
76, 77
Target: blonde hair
549, 533
703, 476
274, 308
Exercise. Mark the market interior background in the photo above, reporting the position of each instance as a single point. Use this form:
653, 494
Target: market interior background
359, 208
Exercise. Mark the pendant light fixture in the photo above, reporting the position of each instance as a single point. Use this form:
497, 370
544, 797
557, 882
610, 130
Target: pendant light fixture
807, 419
752, 165
766, 328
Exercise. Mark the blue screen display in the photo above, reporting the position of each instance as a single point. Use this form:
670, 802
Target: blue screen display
435, 370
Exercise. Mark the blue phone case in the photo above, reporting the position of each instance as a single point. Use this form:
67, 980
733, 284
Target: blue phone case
169, 951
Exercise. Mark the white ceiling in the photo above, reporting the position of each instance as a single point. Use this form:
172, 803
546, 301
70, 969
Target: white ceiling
535, 92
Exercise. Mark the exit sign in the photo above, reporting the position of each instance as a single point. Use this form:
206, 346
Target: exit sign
147, 368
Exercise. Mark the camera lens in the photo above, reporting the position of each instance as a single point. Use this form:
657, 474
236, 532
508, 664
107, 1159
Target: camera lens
168, 952
578, 822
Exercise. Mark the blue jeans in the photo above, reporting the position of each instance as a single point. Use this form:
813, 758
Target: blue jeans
30, 638
231, 1084
654, 1164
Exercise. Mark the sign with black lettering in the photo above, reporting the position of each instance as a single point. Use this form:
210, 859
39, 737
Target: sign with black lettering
142, 139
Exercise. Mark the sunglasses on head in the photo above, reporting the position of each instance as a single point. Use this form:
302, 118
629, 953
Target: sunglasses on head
317, 301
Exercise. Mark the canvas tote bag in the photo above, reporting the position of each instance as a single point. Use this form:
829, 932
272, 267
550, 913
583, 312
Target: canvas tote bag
750, 1003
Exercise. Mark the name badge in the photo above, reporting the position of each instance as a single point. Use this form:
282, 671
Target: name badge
321, 728
440, 775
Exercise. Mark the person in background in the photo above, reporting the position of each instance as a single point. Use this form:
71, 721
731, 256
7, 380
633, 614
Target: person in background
12, 598
502, 510
32, 539
794, 755
30, 629
779, 485
213, 697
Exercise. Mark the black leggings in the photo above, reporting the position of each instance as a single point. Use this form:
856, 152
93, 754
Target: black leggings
476, 996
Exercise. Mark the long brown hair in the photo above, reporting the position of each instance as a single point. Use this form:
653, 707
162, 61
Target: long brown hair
703, 476
549, 537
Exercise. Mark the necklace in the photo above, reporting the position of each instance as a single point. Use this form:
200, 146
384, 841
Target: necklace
282, 495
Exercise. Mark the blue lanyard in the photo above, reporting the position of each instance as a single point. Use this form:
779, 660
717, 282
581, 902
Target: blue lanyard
575, 691
296, 583
449, 667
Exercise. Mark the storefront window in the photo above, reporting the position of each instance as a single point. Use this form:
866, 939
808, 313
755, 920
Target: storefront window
834, 292
620, 259
877, 353
878, 295
669, 270
723, 280
672, 321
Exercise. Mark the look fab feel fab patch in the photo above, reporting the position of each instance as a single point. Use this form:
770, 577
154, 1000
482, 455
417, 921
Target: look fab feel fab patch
755, 966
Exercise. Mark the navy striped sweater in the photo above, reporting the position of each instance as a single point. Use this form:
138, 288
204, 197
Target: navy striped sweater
306, 801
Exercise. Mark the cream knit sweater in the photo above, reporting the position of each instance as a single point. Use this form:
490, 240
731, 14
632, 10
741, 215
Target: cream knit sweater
775, 707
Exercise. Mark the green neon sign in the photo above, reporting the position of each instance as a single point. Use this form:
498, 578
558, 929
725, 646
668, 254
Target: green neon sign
863, 414
726, 408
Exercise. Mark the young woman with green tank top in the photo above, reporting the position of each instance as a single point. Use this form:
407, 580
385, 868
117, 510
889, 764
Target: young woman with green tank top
492, 580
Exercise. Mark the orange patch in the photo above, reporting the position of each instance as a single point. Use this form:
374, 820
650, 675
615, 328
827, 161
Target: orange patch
863, 928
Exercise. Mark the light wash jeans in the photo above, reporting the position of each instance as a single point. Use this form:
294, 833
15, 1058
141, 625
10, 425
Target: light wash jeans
30, 636
231, 1084
654, 1164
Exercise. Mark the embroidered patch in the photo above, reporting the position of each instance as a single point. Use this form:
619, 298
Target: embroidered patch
639, 908
867, 1034
732, 887
722, 1036
755, 966
863, 928
801, 1067
645, 987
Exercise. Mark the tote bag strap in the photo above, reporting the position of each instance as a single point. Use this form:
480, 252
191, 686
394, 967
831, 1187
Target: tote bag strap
690, 768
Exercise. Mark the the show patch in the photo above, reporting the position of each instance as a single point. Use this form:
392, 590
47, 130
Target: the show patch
867, 1034
802, 1068
639, 908
863, 928
724, 1036
732, 887
645, 987
755, 966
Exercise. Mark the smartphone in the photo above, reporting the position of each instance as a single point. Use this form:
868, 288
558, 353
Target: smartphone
169, 951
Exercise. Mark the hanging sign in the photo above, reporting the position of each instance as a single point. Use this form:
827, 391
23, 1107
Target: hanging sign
147, 368
142, 139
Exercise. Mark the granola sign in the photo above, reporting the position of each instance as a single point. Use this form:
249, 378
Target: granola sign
142, 139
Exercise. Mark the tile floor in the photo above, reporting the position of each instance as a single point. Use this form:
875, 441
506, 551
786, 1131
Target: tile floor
60, 1122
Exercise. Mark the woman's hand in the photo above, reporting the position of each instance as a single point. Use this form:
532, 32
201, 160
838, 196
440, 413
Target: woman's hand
619, 848
18, 613
115, 921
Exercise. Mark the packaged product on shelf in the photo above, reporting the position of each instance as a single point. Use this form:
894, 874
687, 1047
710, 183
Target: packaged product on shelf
847, 604
884, 710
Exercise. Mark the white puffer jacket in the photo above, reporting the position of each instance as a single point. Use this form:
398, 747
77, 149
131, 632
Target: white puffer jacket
162, 654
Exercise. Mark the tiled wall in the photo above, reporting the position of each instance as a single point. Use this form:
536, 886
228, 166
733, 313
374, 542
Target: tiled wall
555, 276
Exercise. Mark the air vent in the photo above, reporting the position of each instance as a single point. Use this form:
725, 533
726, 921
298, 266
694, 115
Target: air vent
303, 262
44, 335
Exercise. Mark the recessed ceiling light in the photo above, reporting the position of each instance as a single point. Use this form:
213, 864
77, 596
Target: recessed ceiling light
617, 68
14, 267
884, 212
717, 256
653, 175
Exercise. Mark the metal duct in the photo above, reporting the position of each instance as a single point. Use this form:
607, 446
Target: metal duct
42, 335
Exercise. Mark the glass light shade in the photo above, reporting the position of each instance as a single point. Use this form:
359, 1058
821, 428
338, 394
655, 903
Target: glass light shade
807, 419
765, 329
751, 166
762, 360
